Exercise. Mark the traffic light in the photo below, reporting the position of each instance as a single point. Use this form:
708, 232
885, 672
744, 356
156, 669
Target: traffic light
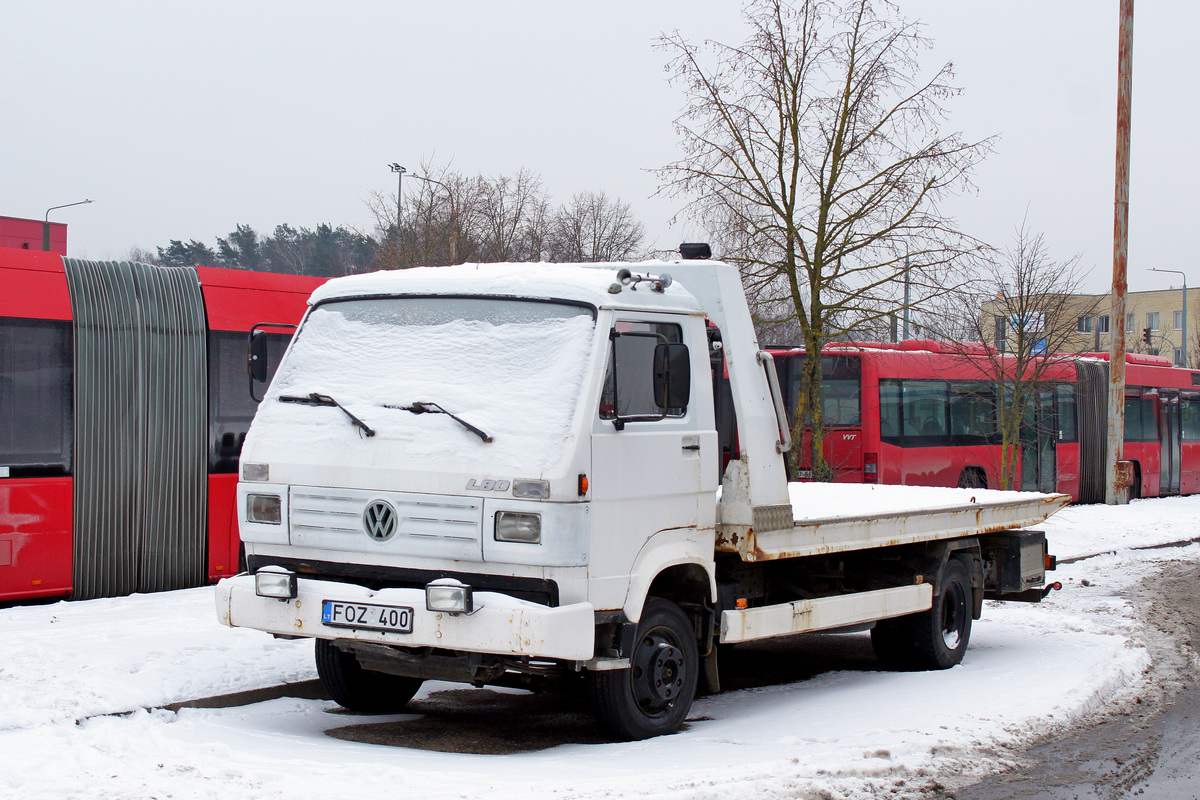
1146, 336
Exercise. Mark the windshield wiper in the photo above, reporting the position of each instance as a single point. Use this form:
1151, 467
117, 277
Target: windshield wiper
434, 408
315, 399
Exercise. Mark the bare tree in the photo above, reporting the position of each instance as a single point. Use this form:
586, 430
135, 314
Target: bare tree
513, 217
814, 155
594, 227
1019, 320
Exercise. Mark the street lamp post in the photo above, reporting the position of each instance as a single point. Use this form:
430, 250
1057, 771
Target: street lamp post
46, 224
399, 170
1183, 348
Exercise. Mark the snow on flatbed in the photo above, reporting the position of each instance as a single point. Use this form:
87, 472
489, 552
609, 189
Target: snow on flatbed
840, 517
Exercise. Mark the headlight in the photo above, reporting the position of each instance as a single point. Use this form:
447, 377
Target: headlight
449, 596
265, 508
275, 582
512, 526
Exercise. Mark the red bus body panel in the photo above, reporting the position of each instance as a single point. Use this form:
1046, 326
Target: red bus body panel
35, 537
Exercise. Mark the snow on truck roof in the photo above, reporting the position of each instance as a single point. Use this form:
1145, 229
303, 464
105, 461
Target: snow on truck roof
586, 283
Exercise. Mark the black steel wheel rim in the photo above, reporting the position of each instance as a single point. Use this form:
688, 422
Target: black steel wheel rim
657, 671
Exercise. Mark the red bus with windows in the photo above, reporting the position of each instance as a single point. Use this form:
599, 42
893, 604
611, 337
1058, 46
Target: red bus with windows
123, 405
924, 413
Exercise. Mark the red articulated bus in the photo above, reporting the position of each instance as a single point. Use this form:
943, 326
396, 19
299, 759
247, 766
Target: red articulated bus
923, 413
124, 400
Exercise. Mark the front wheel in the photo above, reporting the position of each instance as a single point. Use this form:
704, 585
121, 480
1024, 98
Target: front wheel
358, 689
653, 696
933, 639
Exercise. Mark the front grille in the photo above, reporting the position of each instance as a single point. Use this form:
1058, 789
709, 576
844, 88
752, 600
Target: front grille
424, 524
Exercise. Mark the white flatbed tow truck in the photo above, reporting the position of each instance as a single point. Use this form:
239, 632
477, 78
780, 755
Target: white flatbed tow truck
505, 474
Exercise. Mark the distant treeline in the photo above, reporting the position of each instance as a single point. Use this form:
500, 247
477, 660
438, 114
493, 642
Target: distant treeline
444, 217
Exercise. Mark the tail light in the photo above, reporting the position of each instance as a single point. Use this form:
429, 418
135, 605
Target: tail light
870, 468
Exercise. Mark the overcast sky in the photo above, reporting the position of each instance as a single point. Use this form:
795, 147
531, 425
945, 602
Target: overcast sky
183, 119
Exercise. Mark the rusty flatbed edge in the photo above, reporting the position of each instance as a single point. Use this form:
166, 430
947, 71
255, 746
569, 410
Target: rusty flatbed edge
829, 535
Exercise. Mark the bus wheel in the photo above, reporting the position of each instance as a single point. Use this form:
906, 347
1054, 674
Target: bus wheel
972, 478
653, 696
933, 639
358, 689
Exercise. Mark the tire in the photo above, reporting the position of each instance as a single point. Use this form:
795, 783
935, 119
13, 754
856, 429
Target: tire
358, 689
653, 696
933, 639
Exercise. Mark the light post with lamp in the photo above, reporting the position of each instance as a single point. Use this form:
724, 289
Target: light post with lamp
46, 224
1183, 348
399, 170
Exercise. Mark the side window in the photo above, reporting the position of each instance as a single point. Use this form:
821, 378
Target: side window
1068, 430
923, 414
889, 410
1190, 407
36, 405
972, 412
230, 407
628, 380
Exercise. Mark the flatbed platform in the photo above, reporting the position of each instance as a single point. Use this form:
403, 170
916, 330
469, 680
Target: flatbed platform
841, 517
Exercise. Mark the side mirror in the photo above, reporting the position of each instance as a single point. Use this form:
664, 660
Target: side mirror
257, 356
672, 375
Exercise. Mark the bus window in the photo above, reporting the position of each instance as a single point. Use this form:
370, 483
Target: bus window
35, 397
1067, 428
1141, 423
923, 406
230, 407
972, 412
889, 411
841, 388
1190, 406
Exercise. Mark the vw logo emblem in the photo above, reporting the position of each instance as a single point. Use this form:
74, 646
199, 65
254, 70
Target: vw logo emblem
379, 520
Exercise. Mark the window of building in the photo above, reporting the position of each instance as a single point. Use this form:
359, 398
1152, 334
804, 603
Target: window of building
1179, 357
1152, 320
1129, 321
1084, 325
1178, 320
1102, 323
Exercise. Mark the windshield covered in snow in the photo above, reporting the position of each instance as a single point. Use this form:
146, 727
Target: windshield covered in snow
510, 367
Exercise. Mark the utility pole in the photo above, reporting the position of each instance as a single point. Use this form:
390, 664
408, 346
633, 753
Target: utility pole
1114, 490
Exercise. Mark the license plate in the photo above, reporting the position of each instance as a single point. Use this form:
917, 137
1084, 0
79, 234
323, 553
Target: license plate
366, 616
804, 474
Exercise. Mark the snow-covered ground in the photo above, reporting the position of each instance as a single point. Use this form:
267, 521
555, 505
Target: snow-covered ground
78, 682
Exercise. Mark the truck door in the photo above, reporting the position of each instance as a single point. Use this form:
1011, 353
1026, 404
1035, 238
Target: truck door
653, 468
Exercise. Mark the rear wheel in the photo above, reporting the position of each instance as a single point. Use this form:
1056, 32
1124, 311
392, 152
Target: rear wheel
653, 696
360, 689
933, 639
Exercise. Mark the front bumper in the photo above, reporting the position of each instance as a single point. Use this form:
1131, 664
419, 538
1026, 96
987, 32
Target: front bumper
499, 625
